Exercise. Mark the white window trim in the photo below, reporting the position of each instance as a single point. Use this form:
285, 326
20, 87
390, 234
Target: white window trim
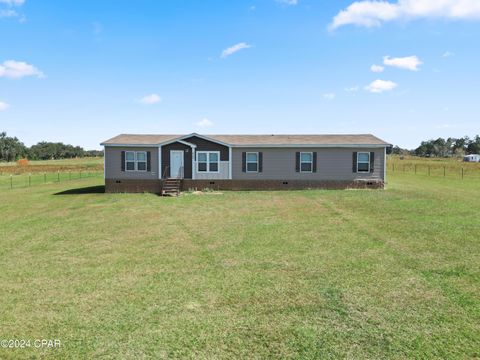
252, 162
135, 161
306, 162
208, 162
363, 162
127, 161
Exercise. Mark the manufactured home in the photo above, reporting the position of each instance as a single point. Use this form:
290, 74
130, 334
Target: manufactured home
471, 158
160, 163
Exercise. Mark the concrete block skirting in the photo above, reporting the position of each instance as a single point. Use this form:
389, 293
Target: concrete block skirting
154, 186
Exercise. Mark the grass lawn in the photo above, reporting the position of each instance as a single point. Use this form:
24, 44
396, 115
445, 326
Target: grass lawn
304, 274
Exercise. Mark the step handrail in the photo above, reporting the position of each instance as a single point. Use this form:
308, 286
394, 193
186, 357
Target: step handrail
164, 176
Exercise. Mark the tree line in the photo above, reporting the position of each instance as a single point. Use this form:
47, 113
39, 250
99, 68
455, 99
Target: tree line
451, 147
12, 149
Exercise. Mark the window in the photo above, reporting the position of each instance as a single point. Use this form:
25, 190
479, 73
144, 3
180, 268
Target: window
213, 162
135, 161
252, 161
306, 162
208, 161
141, 161
363, 162
130, 160
202, 162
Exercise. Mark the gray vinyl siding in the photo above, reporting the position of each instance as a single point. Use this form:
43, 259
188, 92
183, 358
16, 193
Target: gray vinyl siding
113, 163
332, 164
224, 169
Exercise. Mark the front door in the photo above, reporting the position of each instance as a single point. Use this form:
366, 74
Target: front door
176, 164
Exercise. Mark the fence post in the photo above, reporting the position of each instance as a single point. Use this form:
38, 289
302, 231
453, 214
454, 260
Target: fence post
58, 175
11, 181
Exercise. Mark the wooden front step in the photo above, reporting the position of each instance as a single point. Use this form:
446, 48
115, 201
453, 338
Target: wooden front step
171, 187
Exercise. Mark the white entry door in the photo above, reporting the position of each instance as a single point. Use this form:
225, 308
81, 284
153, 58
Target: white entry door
176, 163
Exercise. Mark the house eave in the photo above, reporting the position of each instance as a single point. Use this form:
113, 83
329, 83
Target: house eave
311, 146
129, 145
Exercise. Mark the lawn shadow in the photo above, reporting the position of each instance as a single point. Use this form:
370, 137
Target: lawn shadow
100, 189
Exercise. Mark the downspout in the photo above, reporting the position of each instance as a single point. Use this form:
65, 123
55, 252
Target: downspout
385, 165
230, 160
104, 163
160, 162
194, 169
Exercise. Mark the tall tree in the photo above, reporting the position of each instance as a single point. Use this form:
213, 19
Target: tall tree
11, 148
473, 146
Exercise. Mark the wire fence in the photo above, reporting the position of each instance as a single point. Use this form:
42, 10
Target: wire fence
458, 171
14, 181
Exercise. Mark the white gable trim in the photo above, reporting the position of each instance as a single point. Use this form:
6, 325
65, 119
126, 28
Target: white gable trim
196, 135
130, 145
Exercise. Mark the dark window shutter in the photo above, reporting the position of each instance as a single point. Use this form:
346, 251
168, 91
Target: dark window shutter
314, 162
354, 162
244, 162
372, 161
297, 162
123, 160
149, 161
260, 162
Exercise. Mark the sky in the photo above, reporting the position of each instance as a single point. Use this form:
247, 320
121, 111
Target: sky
81, 72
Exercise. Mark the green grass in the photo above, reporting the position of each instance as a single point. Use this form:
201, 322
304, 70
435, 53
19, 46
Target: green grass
24, 180
306, 274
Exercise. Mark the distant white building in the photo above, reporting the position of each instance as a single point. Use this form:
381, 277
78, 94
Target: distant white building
472, 158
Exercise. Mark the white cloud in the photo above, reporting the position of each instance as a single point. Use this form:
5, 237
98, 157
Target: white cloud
379, 86
204, 123
150, 99
409, 63
12, 2
18, 69
446, 126
371, 13
6, 10
4, 106
376, 68
288, 2
233, 49
352, 88
329, 96
4, 13
447, 54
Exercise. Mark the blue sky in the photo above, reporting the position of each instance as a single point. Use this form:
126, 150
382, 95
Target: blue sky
83, 71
